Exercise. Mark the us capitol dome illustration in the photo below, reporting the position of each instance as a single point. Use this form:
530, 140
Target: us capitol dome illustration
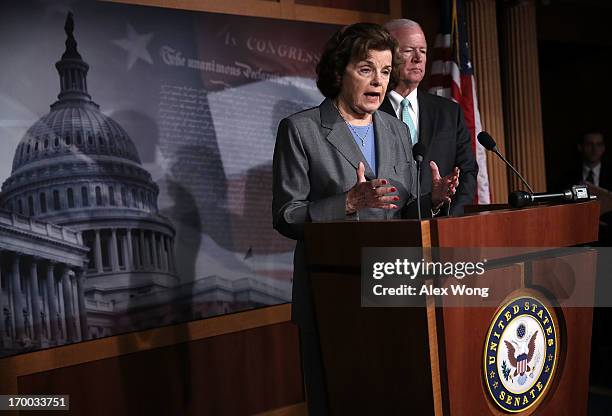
77, 168
84, 251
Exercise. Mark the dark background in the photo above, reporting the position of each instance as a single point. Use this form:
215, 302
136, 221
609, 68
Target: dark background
575, 52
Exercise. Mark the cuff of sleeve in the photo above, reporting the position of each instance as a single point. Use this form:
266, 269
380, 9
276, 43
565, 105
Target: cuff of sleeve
436, 210
332, 208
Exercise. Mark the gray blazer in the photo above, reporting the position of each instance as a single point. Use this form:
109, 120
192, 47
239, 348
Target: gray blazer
315, 163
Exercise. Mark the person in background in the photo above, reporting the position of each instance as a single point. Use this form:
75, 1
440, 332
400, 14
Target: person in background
438, 123
591, 149
591, 170
344, 160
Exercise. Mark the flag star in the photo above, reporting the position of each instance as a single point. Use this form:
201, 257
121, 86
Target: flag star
469, 64
136, 46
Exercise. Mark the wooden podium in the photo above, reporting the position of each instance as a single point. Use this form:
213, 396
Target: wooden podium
429, 360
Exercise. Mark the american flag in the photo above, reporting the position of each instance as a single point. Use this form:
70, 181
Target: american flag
452, 76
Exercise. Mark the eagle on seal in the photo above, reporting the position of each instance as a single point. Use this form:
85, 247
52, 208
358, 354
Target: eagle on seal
521, 362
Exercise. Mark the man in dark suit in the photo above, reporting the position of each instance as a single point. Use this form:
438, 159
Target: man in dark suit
436, 122
591, 170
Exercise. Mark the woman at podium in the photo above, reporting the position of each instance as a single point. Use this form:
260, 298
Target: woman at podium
344, 160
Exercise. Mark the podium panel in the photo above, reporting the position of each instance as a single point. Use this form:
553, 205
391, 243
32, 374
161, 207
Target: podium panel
372, 357
432, 360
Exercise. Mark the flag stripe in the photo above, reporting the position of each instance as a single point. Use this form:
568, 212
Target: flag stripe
452, 76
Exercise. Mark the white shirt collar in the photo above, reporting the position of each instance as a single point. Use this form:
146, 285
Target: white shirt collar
396, 101
596, 171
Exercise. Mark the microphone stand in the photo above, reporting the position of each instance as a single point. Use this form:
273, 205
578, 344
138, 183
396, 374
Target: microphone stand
418, 162
418, 153
513, 169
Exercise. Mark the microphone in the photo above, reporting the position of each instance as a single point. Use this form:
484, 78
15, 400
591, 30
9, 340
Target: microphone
519, 199
488, 143
418, 152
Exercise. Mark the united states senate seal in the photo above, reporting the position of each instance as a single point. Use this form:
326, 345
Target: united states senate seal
521, 353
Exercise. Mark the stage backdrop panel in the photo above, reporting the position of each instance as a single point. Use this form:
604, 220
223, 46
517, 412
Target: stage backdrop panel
136, 165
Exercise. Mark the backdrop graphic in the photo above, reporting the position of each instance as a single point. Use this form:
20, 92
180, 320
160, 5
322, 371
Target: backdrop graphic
142, 197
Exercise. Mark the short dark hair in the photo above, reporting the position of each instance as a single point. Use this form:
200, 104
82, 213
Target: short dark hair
354, 42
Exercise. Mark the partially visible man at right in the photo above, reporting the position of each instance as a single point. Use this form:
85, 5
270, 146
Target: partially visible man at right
436, 122
591, 170
591, 148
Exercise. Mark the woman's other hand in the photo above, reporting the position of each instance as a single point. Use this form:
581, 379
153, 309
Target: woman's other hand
442, 188
370, 194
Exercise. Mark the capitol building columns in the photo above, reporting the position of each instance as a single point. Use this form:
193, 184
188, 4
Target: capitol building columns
69, 311
52, 302
80, 284
144, 252
114, 255
35, 300
17, 298
98, 252
155, 263
164, 252
129, 249
38, 309
135, 250
170, 255
3, 308
94, 239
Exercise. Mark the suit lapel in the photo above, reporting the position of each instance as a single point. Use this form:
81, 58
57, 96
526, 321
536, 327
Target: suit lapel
427, 119
604, 180
387, 107
383, 145
341, 138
